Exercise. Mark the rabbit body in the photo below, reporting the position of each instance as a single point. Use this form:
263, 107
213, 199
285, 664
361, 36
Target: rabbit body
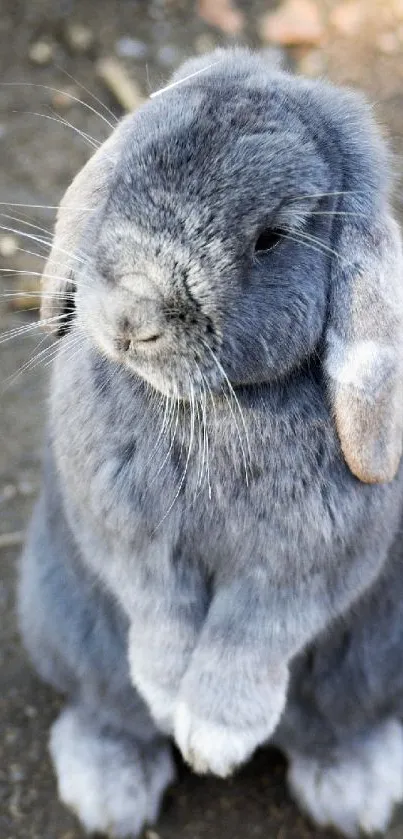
215, 555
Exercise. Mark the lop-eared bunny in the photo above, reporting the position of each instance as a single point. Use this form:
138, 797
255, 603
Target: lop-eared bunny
214, 556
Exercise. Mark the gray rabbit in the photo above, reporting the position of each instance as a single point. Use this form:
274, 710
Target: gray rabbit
215, 554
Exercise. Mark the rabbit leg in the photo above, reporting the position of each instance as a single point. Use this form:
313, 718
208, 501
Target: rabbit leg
110, 780
342, 725
112, 763
356, 788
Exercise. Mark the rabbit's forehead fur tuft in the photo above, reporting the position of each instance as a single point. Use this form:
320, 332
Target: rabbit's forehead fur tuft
215, 172
235, 151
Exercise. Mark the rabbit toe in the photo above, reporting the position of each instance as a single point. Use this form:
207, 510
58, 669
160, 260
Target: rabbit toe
210, 748
112, 785
359, 790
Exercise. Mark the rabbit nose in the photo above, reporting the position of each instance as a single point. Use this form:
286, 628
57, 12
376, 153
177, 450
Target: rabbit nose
145, 327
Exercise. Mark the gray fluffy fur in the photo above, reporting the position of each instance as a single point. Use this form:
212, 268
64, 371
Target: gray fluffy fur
246, 582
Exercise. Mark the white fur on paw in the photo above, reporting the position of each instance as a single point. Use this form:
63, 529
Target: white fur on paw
159, 702
211, 748
111, 787
358, 791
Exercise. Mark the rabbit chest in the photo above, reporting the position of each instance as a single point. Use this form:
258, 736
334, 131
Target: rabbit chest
256, 478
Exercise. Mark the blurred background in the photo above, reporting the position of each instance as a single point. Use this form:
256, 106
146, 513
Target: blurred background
67, 69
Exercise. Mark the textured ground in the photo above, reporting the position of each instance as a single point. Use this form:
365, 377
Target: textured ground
37, 159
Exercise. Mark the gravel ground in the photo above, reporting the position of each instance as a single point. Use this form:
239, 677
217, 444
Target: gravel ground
38, 158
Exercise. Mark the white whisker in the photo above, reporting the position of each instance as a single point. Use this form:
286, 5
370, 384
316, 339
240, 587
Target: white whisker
325, 194
54, 294
44, 207
95, 98
63, 121
63, 349
185, 470
41, 241
21, 220
69, 95
332, 213
318, 247
167, 411
321, 245
19, 331
29, 365
44, 276
182, 81
89, 141
204, 411
173, 436
207, 384
200, 445
17, 271
236, 400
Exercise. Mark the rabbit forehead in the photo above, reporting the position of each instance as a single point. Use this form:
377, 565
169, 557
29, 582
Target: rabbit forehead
239, 156
212, 124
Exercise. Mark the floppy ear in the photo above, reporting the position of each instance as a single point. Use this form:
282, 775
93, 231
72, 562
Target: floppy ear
364, 353
87, 192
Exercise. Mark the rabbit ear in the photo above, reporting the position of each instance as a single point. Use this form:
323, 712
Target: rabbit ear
87, 192
364, 354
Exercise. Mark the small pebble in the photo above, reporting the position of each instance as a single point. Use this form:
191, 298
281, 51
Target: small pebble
223, 14
14, 804
388, 43
168, 56
8, 245
11, 736
127, 47
17, 773
41, 52
26, 488
295, 22
30, 712
156, 11
79, 38
64, 98
8, 492
347, 17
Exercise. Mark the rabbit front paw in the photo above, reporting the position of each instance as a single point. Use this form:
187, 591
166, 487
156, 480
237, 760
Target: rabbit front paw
160, 702
210, 748
219, 744
157, 665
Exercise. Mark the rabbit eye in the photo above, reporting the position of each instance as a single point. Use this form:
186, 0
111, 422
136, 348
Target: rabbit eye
267, 240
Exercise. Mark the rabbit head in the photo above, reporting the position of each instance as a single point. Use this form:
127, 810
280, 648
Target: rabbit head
235, 226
